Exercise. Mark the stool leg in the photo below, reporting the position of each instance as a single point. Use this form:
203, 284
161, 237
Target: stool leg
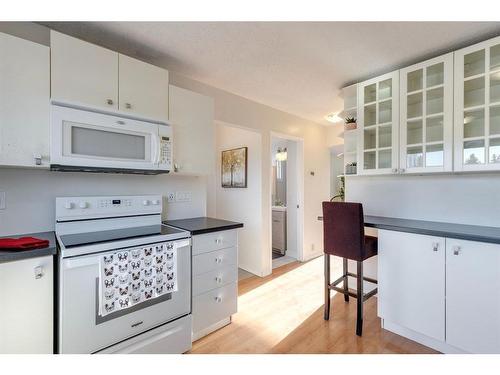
359, 287
327, 287
346, 279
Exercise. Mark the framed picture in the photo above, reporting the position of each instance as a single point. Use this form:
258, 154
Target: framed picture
234, 168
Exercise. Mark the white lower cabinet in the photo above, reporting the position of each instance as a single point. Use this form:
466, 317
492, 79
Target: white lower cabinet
473, 296
441, 292
412, 281
26, 313
215, 280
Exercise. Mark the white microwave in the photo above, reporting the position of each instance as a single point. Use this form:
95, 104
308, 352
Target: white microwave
87, 141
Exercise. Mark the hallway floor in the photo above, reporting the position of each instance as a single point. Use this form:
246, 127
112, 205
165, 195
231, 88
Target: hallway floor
283, 313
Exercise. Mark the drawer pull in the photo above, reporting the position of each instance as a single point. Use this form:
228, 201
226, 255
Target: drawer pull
218, 260
218, 299
435, 246
456, 250
38, 272
218, 241
218, 279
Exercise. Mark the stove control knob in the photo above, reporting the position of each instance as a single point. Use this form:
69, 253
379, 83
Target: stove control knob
83, 205
68, 205
155, 202
145, 202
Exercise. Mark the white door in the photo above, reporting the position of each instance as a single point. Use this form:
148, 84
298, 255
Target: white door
378, 123
472, 296
426, 116
477, 107
143, 89
24, 102
26, 315
411, 281
83, 73
192, 116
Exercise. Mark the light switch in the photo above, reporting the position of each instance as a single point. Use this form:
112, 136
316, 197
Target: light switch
2, 200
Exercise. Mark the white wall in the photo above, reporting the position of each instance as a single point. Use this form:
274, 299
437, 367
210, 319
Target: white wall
31, 195
466, 199
243, 204
234, 109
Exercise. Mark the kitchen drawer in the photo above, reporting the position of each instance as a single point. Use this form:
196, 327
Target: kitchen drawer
215, 279
215, 260
214, 306
204, 243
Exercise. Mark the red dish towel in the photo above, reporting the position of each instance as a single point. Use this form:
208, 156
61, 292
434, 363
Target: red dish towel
23, 243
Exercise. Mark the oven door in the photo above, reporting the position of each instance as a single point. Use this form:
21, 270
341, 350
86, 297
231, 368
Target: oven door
82, 138
83, 330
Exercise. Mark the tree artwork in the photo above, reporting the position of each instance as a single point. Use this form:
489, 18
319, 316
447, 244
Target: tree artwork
234, 168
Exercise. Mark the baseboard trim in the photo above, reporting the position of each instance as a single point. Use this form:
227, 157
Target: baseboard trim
430, 342
214, 327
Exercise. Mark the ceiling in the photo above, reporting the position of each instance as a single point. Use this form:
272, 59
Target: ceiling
297, 67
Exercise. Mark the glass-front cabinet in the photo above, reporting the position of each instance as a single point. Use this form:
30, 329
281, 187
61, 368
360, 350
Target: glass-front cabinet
378, 122
426, 116
477, 107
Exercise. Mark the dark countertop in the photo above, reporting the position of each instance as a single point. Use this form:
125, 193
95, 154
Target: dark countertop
438, 229
200, 225
10, 255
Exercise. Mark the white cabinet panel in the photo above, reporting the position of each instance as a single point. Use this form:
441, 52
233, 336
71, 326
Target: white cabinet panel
24, 102
192, 116
411, 281
426, 116
143, 89
26, 315
472, 296
477, 107
378, 123
83, 73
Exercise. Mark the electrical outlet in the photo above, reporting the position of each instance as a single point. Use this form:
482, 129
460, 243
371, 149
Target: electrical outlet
183, 196
2, 200
171, 197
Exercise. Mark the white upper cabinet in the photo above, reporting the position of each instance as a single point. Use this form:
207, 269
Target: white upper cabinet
426, 116
477, 106
83, 73
88, 75
24, 102
378, 123
143, 89
192, 116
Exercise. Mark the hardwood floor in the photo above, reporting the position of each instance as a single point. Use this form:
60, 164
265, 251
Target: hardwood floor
283, 313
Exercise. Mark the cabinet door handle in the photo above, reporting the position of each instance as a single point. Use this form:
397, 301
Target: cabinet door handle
128, 105
435, 246
457, 250
394, 170
38, 272
109, 101
402, 170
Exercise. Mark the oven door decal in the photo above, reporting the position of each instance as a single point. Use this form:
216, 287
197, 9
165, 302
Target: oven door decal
130, 277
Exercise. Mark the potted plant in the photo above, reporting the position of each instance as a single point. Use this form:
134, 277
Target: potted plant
350, 123
351, 168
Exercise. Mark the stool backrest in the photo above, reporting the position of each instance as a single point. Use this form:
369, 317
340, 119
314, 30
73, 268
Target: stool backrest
343, 228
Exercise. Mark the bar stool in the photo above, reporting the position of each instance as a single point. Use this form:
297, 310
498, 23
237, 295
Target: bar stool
344, 236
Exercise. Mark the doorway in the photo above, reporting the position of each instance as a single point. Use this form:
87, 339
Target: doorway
286, 199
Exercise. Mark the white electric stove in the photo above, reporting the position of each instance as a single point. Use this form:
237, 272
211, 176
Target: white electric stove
122, 312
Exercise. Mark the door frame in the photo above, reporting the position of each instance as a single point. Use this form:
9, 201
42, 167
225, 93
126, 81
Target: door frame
300, 193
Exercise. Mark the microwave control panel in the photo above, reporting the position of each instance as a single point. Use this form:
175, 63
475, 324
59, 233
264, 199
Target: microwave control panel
165, 150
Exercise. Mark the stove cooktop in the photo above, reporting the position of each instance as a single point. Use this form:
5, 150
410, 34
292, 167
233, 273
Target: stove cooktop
80, 239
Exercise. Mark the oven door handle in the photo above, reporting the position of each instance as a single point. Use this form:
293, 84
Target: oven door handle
78, 263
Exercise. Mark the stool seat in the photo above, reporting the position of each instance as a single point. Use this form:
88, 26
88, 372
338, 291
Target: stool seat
371, 247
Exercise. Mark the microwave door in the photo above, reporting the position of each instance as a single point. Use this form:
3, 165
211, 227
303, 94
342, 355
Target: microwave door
102, 141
